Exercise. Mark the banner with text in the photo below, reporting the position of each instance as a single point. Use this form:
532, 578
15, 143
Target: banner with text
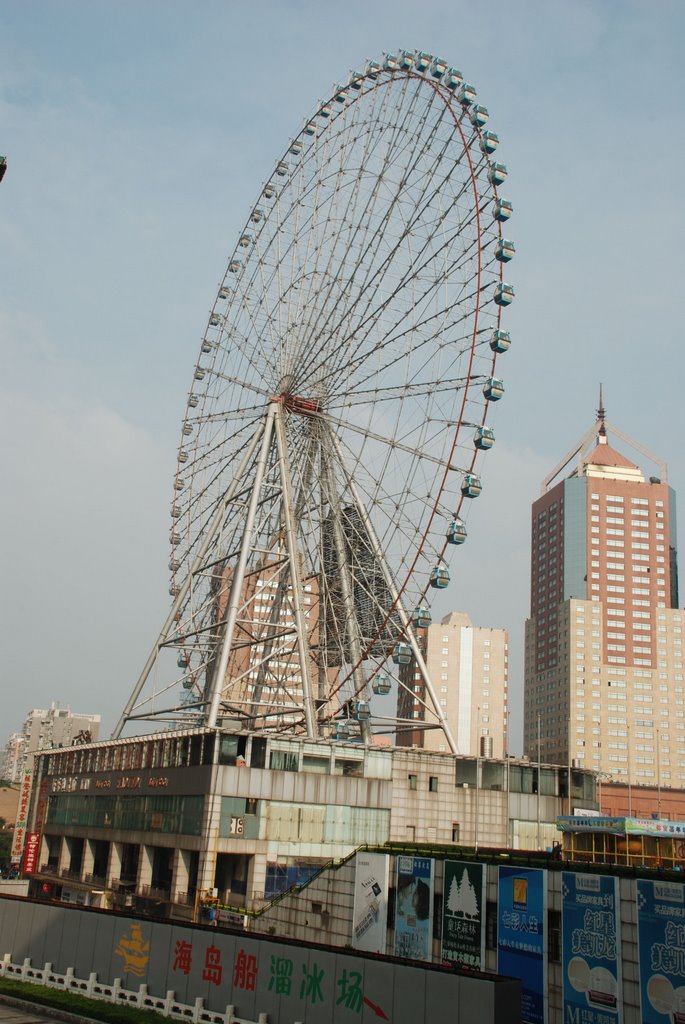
521, 937
21, 820
31, 851
661, 944
370, 915
591, 958
414, 908
463, 914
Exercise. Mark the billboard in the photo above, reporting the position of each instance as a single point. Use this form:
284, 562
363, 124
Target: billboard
521, 937
414, 908
591, 954
463, 914
661, 951
370, 914
619, 826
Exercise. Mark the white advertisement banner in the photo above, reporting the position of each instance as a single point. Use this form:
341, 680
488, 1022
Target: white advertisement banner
370, 916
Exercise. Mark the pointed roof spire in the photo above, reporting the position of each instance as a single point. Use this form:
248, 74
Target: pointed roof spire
601, 415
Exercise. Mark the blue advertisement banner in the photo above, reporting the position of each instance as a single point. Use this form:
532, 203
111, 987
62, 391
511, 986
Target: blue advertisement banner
591, 958
521, 938
661, 944
414, 908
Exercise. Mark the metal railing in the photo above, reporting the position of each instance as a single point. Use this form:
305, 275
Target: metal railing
156, 892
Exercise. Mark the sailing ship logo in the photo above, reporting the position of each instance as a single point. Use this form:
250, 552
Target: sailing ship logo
135, 951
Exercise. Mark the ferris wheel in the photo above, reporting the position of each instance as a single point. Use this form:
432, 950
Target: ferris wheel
339, 405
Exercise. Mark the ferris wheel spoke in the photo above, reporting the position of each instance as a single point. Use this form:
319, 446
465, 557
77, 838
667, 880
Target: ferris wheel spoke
317, 272
389, 506
362, 396
377, 312
395, 595
391, 442
394, 337
406, 232
372, 271
359, 218
325, 276
432, 284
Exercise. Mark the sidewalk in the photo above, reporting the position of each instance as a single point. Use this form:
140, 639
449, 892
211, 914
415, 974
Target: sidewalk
18, 1011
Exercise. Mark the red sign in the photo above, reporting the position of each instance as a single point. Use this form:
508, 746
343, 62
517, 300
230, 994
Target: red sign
31, 852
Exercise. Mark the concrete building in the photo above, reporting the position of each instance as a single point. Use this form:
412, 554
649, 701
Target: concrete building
618, 800
468, 666
151, 822
604, 671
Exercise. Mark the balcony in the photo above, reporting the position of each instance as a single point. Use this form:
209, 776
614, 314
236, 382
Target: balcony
186, 899
74, 876
94, 879
155, 892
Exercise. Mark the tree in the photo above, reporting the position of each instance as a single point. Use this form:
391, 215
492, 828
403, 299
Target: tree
469, 900
453, 902
6, 835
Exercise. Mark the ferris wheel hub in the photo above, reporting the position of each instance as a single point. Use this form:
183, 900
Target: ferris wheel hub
297, 404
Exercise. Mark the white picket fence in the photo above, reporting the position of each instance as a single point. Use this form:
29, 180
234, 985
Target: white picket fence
169, 1006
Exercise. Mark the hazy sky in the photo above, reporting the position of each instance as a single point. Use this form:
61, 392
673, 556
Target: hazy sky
138, 135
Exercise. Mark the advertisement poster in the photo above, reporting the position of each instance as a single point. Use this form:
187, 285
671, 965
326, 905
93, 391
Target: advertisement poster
591, 958
661, 945
414, 908
370, 916
521, 937
463, 914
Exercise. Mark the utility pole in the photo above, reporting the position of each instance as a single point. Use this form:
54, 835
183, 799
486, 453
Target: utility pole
538, 785
658, 773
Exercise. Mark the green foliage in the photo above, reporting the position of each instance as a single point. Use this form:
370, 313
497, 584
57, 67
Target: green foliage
96, 1009
5, 847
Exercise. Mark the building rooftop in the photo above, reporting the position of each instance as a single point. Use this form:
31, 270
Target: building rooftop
605, 455
605, 461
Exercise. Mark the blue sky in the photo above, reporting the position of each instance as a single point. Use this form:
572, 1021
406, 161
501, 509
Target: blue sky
137, 137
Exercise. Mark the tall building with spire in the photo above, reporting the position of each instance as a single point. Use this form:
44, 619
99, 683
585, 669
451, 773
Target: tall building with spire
604, 643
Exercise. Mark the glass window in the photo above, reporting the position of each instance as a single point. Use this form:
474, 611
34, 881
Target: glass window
317, 765
465, 772
492, 775
283, 760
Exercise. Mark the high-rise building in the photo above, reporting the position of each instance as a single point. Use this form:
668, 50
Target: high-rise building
51, 727
13, 757
604, 665
468, 667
